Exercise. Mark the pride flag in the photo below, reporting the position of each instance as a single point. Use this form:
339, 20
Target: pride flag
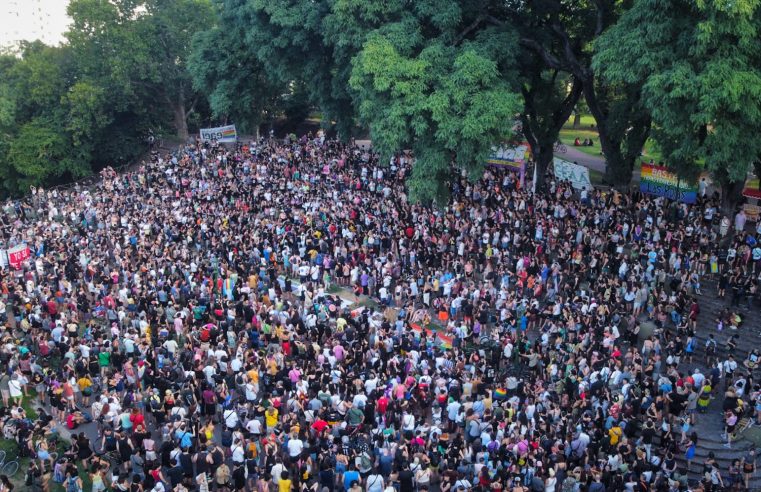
659, 181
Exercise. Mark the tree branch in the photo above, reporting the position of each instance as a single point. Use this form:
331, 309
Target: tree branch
469, 29
566, 107
549, 59
570, 57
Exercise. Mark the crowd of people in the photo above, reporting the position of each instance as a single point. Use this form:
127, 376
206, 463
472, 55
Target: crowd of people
280, 316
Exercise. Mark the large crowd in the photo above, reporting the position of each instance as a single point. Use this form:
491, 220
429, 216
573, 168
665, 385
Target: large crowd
279, 316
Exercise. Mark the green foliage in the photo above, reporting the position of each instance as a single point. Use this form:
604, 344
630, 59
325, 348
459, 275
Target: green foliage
226, 69
67, 111
699, 64
40, 151
418, 86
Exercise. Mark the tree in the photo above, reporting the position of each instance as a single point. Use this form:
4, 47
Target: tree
548, 100
562, 35
699, 66
429, 82
138, 49
40, 151
294, 40
225, 68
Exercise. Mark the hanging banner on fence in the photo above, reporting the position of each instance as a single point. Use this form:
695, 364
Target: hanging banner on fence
513, 158
18, 254
576, 174
753, 212
659, 181
752, 188
220, 134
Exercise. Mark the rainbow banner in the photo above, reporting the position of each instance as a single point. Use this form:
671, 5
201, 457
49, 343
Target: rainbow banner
444, 341
513, 158
752, 188
659, 181
220, 134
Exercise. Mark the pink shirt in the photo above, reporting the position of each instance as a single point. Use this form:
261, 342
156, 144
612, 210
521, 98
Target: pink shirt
294, 375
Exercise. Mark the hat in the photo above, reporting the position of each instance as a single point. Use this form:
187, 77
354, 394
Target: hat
140, 363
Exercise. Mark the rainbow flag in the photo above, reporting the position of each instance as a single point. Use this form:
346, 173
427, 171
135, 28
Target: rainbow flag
752, 188
445, 341
500, 393
659, 181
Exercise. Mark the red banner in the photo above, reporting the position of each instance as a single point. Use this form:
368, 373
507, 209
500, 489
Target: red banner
17, 255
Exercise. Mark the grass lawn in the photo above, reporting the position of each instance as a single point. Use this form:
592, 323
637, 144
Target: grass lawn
651, 151
10, 447
596, 177
586, 129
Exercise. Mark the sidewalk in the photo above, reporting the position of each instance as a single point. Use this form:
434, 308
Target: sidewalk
596, 163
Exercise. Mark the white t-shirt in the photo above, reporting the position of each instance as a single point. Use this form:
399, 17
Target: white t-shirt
295, 447
238, 453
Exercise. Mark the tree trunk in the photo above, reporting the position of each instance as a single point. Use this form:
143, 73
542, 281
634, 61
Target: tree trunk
618, 169
181, 121
621, 152
576, 120
731, 196
543, 155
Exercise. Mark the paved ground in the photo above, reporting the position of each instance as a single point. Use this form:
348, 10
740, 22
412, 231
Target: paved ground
573, 154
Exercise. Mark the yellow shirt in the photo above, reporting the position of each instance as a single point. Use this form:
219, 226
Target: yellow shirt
84, 383
284, 485
271, 417
615, 435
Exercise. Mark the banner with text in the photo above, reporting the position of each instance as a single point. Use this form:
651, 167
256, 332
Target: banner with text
576, 174
220, 134
513, 158
659, 181
18, 254
752, 188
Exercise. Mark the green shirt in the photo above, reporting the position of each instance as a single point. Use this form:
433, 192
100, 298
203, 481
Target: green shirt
104, 359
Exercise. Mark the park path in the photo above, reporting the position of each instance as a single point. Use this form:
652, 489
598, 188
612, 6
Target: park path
596, 163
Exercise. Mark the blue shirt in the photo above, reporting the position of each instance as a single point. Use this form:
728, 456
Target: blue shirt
185, 438
349, 477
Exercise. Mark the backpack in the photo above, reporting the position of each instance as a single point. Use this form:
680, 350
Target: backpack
711, 347
72, 485
155, 403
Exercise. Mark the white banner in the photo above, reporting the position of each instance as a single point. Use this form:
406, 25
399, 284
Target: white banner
220, 134
3, 259
577, 175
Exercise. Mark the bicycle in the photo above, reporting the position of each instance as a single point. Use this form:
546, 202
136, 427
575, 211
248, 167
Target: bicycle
10, 468
560, 148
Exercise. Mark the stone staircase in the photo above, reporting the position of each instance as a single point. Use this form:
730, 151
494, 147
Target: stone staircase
710, 426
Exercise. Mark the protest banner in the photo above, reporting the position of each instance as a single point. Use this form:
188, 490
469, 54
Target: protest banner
222, 134
752, 188
513, 158
18, 254
3, 259
576, 174
659, 181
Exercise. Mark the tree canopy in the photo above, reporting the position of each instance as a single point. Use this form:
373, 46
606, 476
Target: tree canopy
446, 79
699, 67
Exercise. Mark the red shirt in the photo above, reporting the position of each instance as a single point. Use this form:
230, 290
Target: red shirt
319, 425
136, 419
382, 404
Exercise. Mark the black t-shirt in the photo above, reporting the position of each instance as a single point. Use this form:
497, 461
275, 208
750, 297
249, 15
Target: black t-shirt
405, 481
175, 475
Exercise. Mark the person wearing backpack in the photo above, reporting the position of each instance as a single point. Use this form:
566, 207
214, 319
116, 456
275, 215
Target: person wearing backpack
73, 483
